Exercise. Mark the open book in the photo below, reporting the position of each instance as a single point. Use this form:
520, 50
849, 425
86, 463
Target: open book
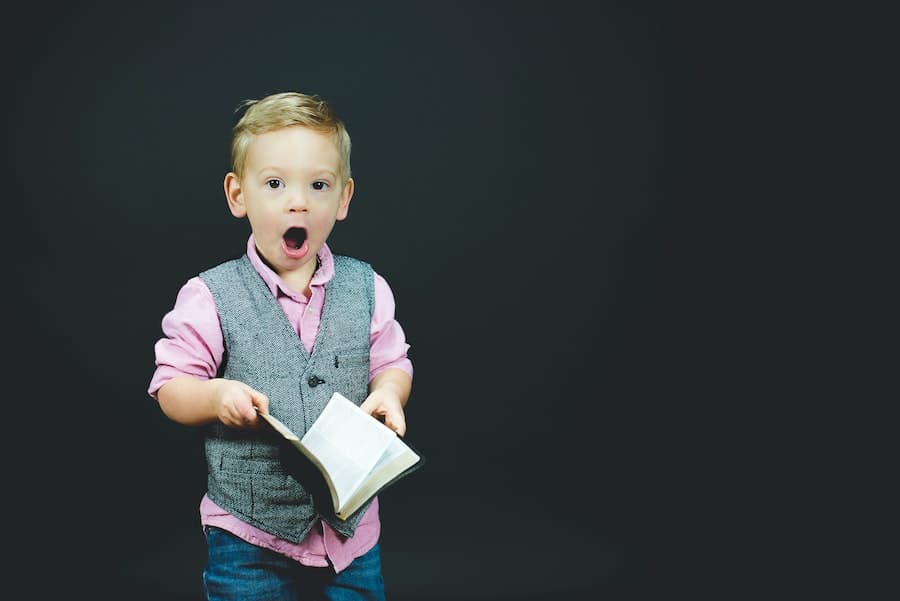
357, 454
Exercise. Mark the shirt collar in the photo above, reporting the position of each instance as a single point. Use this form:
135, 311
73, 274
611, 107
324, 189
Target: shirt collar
273, 281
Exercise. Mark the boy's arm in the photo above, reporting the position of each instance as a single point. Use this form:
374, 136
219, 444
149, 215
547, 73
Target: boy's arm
388, 393
188, 358
194, 401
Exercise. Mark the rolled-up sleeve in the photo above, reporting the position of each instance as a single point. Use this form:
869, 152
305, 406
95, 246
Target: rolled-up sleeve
387, 342
192, 343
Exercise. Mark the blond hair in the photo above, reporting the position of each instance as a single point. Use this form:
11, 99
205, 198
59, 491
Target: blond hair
287, 109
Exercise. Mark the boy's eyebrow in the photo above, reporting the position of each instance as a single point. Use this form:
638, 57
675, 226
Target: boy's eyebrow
312, 171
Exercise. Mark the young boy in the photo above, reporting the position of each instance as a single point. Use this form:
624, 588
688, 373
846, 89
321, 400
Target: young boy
281, 328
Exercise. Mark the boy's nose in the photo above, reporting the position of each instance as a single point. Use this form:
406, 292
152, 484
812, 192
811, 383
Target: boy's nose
297, 202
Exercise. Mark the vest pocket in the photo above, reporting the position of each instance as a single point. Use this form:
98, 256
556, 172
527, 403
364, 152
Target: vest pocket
352, 374
260, 488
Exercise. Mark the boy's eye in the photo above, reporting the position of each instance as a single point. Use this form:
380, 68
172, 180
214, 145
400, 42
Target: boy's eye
274, 183
319, 185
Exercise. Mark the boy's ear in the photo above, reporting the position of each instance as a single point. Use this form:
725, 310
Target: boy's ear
234, 195
346, 197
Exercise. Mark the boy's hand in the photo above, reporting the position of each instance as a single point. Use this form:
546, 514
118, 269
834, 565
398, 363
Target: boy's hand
236, 404
384, 404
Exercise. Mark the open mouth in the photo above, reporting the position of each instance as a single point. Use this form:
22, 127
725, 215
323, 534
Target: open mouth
294, 238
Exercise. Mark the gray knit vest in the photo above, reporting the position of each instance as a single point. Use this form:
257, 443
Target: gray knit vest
247, 467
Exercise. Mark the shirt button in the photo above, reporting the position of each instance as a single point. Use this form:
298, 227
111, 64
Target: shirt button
315, 381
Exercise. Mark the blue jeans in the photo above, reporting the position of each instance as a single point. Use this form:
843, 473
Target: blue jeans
239, 571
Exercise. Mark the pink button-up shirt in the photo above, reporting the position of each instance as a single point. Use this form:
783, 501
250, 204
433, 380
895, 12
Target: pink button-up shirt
193, 345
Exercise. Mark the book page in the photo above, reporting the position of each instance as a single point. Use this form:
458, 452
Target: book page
395, 451
347, 443
396, 458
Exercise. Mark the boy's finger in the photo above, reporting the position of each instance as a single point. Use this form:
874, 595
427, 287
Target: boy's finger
396, 423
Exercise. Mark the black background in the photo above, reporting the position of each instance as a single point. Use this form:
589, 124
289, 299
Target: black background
544, 185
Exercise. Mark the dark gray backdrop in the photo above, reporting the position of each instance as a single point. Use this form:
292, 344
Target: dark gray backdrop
541, 184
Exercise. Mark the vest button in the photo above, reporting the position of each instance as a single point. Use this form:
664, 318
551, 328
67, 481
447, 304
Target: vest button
315, 381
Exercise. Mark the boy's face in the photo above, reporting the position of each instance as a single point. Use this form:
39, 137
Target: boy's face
292, 194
